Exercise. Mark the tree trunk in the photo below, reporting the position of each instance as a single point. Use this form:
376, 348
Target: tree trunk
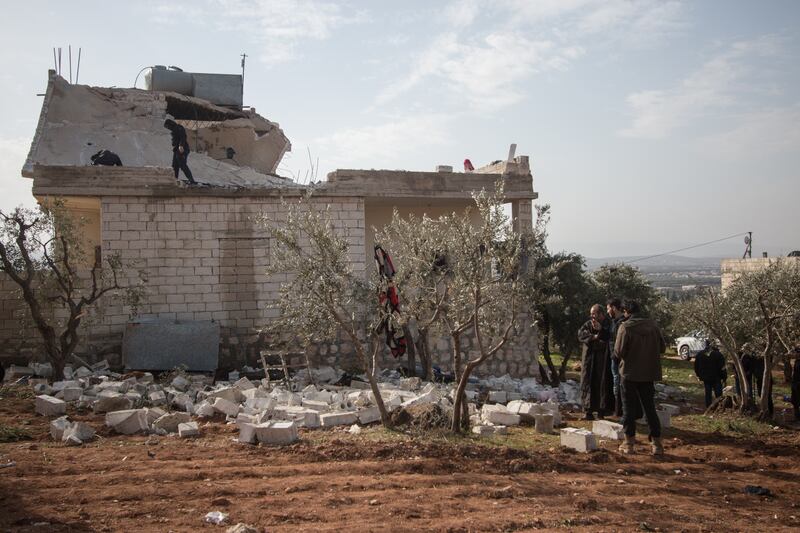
458, 423
551, 368
411, 350
425, 355
373, 384
787, 368
562, 369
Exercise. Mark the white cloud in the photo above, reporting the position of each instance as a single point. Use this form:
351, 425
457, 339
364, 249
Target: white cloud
717, 84
488, 68
14, 189
391, 143
279, 26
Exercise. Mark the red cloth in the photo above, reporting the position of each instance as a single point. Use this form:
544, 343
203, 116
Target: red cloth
468, 165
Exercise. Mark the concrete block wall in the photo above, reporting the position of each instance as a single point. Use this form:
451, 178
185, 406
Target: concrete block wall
733, 268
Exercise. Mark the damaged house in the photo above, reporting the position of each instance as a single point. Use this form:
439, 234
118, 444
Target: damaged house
203, 252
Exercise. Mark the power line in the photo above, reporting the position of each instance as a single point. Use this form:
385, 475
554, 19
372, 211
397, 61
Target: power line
687, 248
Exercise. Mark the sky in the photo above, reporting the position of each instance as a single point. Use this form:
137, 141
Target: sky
651, 125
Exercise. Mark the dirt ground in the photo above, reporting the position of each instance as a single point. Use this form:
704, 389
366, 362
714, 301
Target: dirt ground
389, 481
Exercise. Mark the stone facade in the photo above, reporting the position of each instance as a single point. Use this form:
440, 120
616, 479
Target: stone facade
733, 268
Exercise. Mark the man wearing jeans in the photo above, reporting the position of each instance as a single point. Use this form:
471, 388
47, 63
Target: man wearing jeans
614, 308
639, 346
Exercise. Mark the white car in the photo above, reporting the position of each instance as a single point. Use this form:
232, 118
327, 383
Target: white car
689, 345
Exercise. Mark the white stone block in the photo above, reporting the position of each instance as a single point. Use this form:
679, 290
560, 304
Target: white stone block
578, 439
226, 407
128, 421
157, 397
107, 404
544, 423
204, 409
50, 406
608, 430
499, 415
277, 433
341, 418
663, 417
244, 384
231, 394
180, 383
369, 415
61, 385
188, 429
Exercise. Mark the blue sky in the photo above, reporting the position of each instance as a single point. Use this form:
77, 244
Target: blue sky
651, 125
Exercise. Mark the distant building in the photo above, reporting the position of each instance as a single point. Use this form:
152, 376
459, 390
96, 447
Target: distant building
733, 268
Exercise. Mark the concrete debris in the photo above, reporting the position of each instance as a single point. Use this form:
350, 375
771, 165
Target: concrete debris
355, 429
608, 429
50, 406
216, 518
484, 430
77, 433
345, 418
128, 422
499, 415
673, 410
15, 372
58, 426
188, 429
663, 416
107, 404
168, 423
241, 527
226, 407
276, 433
544, 423
578, 439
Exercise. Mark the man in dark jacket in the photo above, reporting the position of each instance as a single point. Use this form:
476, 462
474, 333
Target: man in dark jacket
709, 367
180, 149
639, 346
596, 380
614, 309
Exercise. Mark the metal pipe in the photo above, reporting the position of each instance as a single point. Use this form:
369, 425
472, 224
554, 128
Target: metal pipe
69, 48
55, 61
78, 71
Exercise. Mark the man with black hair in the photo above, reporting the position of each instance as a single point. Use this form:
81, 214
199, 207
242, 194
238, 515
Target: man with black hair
614, 309
180, 149
639, 346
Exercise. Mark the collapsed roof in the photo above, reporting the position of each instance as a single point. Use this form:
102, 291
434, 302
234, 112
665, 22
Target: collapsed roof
77, 121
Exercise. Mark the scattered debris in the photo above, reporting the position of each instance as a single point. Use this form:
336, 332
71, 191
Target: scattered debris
215, 517
755, 490
578, 439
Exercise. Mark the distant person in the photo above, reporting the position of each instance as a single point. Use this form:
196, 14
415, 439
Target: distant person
596, 381
639, 346
796, 382
709, 367
614, 309
754, 366
180, 149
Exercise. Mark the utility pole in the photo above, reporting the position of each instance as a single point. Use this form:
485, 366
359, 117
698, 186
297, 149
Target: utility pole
748, 241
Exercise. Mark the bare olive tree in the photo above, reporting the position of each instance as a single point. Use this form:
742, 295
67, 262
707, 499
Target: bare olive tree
761, 308
323, 295
59, 281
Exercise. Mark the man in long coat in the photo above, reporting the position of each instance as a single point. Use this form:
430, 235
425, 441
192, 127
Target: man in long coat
597, 392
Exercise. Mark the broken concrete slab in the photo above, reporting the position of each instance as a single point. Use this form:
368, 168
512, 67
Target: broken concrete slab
128, 422
188, 429
58, 426
607, 429
340, 418
169, 422
244, 384
77, 433
318, 406
204, 409
157, 397
498, 414
50, 406
578, 439
71, 394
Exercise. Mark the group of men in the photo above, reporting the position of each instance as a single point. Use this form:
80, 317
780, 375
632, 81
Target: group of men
620, 365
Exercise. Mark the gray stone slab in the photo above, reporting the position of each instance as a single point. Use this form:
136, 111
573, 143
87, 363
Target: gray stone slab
164, 345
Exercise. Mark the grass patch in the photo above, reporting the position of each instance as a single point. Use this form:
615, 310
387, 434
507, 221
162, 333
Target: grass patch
730, 425
16, 391
13, 434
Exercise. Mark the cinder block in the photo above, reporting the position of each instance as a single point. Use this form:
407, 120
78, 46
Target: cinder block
50, 406
71, 394
341, 418
247, 433
663, 417
170, 422
188, 429
369, 415
107, 404
128, 421
77, 433
498, 396
315, 405
673, 410
278, 433
608, 429
578, 439
58, 426
499, 415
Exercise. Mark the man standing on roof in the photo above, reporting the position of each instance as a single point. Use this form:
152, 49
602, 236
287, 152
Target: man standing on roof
180, 149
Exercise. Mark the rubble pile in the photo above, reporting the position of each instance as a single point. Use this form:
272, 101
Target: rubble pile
271, 413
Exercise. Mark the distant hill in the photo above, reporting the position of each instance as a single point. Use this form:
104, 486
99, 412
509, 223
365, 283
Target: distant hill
660, 263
